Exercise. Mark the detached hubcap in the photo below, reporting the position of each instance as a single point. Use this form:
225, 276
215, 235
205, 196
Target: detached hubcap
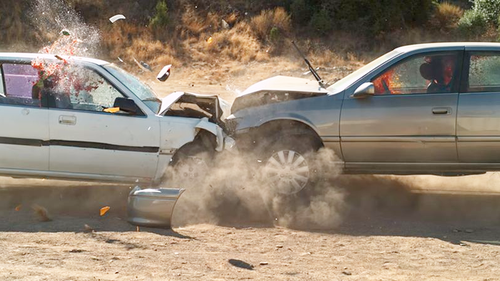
288, 171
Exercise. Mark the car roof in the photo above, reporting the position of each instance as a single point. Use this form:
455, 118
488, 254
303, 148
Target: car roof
32, 56
438, 46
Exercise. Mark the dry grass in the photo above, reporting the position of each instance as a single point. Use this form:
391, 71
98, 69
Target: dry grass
237, 43
447, 15
12, 22
263, 23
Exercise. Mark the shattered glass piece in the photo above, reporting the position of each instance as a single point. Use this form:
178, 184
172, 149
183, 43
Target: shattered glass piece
116, 17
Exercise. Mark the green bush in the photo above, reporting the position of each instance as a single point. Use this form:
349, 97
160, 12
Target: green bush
321, 22
372, 17
473, 23
301, 12
490, 9
160, 18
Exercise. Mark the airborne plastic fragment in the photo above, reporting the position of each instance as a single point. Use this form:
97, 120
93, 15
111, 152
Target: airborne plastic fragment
112, 110
104, 210
116, 17
164, 73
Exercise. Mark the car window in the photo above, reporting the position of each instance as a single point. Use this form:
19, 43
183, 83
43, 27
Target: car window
79, 88
16, 87
484, 73
423, 73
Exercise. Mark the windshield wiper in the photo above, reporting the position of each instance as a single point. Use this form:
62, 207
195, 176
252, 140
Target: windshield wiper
311, 69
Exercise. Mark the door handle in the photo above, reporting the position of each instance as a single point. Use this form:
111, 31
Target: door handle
441, 110
67, 120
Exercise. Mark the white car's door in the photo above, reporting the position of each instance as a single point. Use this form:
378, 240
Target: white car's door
90, 142
23, 122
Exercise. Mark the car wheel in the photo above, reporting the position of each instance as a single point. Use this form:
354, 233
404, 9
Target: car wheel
288, 167
190, 166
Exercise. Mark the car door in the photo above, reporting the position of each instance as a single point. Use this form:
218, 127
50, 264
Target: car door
409, 122
478, 121
23, 122
90, 141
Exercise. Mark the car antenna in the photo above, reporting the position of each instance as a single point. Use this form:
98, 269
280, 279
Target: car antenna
313, 71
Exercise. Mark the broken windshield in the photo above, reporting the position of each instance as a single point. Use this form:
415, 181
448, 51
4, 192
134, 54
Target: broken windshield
141, 90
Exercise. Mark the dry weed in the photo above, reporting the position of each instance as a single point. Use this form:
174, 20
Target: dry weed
447, 15
263, 23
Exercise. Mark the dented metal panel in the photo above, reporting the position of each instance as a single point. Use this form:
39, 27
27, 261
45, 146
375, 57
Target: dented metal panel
152, 207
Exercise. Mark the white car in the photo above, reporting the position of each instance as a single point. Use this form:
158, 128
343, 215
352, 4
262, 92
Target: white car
87, 119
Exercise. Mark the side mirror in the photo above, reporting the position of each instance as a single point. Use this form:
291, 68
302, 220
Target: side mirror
164, 73
127, 105
364, 90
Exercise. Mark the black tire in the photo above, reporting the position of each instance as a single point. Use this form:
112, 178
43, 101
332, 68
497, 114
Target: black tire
288, 165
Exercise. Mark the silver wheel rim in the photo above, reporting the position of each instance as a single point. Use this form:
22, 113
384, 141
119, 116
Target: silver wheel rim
192, 168
288, 171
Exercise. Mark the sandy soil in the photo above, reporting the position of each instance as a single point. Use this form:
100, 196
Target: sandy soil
393, 229
366, 228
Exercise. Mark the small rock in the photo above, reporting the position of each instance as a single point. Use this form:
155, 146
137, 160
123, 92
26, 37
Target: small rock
469, 230
279, 246
456, 230
263, 263
345, 272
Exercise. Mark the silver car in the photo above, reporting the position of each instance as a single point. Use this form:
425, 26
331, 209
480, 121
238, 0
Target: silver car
420, 109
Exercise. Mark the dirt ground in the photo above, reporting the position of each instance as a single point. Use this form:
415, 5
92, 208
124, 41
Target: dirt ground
394, 228
366, 227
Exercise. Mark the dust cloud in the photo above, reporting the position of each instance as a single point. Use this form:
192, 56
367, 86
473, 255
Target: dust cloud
235, 191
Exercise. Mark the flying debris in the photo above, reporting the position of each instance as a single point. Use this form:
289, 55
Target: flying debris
164, 73
65, 32
104, 210
142, 65
146, 66
116, 17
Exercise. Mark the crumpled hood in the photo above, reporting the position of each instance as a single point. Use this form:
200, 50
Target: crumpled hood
172, 98
277, 89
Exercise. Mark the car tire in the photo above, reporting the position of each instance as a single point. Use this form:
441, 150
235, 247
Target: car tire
287, 162
189, 166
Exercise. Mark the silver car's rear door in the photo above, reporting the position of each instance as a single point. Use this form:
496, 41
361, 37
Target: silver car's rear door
410, 123
478, 122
